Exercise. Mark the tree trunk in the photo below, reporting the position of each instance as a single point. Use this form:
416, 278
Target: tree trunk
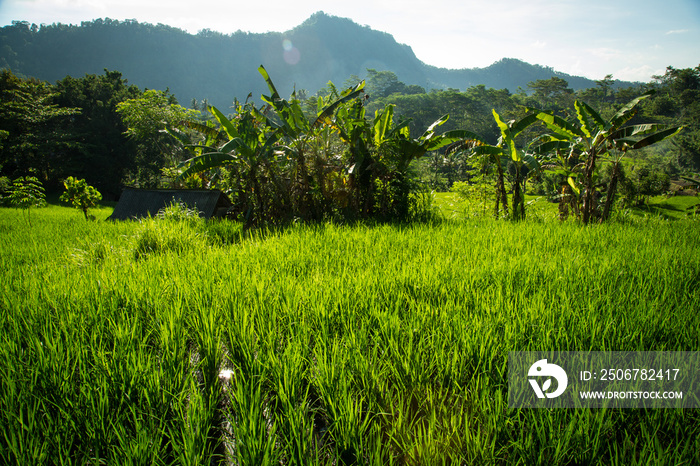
612, 189
518, 199
564, 203
501, 195
588, 197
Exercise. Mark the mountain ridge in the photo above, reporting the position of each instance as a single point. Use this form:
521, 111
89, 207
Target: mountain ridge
219, 67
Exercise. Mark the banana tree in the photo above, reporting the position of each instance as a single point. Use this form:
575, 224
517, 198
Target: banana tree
558, 157
397, 150
594, 138
299, 135
353, 129
260, 143
248, 144
500, 154
520, 159
381, 150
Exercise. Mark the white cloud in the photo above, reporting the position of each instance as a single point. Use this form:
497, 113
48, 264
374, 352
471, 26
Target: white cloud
642, 73
606, 53
677, 31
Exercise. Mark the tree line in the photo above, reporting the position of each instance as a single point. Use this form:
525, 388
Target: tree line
365, 157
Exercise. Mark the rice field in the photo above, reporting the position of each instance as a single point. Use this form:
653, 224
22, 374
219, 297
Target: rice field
184, 342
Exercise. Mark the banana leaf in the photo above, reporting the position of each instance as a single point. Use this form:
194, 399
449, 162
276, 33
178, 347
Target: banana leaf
638, 130
205, 162
588, 117
627, 112
506, 138
325, 115
550, 146
225, 123
275, 96
531, 163
382, 123
656, 137
430, 131
209, 131
520, 125
560, 126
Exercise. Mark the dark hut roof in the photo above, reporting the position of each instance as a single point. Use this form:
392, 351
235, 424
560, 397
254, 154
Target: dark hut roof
138, 203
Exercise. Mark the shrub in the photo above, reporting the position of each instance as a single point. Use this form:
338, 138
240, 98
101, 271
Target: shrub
5, 185
80, 194
27, 192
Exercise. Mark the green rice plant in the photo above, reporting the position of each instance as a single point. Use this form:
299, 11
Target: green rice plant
224, 231
369, 344
161, 237
192, 440
178, 211
253, 435
343, 408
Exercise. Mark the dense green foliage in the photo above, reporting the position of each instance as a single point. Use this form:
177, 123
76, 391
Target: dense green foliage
140, 142
147, 118
156, 343
31, 128
99, 152
73, 128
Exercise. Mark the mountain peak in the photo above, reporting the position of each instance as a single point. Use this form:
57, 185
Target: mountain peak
223, 67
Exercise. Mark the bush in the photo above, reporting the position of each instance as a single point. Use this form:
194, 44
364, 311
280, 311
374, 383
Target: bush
643, 184
80, 194
27, 192
463, 189
4, 189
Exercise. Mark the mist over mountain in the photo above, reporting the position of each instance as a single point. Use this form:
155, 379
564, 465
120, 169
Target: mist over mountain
218, 67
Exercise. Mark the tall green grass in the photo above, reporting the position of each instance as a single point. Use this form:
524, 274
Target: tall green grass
345, 344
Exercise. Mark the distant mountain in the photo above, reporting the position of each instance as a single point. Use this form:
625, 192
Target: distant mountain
220, 67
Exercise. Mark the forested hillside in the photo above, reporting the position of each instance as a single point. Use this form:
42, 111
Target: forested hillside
220, 68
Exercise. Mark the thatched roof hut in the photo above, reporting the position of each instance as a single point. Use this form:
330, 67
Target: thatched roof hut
138, 203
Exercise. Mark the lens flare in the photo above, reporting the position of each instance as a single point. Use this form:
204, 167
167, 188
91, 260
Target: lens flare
291, 54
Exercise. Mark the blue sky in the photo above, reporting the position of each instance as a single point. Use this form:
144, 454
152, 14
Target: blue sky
630, 39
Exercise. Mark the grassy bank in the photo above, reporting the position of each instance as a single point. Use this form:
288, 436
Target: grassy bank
338, 344
451, 206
